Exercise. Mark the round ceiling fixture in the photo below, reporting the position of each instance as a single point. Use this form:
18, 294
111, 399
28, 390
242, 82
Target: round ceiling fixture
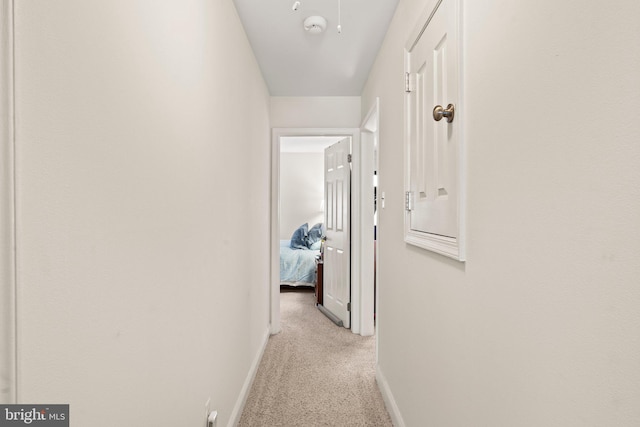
315, 24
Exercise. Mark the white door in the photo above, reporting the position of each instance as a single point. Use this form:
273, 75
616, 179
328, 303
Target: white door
337, 272
433, 205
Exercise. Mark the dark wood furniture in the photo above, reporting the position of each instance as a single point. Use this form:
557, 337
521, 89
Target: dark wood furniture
319, 269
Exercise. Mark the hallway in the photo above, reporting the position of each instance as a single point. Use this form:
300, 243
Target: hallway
314, 373
136, 217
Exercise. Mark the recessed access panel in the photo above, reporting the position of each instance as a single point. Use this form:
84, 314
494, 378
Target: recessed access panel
433, 144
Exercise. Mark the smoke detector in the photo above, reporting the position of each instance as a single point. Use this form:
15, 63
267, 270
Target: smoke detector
315, 24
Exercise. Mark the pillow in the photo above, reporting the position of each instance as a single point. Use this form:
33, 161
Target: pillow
299, 237
314, 236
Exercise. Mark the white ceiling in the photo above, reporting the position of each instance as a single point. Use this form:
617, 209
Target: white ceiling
297, 63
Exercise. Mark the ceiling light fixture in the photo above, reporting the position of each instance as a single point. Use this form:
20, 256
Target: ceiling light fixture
339, 25
295, 6
315, 24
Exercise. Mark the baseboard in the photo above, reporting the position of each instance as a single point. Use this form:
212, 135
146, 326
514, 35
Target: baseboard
389, 401
248, 382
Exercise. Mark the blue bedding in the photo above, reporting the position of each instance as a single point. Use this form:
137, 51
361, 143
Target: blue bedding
297, 266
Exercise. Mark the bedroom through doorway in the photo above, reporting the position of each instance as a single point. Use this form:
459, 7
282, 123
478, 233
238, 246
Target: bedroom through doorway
302, 221
362, 212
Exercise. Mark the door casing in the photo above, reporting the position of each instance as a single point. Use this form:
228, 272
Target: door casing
357, 314
369, 146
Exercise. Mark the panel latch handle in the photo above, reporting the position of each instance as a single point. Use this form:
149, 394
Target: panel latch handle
439, 113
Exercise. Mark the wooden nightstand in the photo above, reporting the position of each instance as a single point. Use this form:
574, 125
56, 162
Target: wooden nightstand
319, 268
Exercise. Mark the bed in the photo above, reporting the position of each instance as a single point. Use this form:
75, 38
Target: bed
298, 256
297, 266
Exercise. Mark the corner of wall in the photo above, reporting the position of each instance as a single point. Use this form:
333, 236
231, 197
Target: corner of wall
234, 419
389, 400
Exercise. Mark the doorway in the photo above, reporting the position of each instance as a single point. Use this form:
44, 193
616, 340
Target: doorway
278, 135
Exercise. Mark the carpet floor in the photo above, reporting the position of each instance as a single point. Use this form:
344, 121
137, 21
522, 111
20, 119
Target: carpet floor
314, 373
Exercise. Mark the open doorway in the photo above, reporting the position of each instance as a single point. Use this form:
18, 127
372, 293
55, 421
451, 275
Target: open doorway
302, 213
314, 220
280, 138
364, 165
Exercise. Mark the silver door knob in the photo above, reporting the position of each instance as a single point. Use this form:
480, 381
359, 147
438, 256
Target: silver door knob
439, 113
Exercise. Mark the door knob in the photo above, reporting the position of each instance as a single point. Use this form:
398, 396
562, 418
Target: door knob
439, 113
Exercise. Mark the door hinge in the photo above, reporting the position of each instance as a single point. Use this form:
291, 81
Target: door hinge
349, 158
408, 201
348, 306
407, 82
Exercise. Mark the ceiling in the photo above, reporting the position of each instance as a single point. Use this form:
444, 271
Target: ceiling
295, 62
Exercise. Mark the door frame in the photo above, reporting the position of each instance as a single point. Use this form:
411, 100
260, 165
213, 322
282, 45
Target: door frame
370, 143
276, 134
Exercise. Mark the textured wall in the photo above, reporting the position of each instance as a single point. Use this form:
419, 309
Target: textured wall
142, 127
540, 326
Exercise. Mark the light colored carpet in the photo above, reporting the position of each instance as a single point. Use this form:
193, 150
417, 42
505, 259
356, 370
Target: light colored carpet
314, 373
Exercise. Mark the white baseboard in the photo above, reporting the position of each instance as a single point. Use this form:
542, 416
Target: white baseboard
389, 401
248, 382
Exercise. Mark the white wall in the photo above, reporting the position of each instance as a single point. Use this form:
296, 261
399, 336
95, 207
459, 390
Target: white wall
301, 191
540, 326
137, 122
7, 272
315, 112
